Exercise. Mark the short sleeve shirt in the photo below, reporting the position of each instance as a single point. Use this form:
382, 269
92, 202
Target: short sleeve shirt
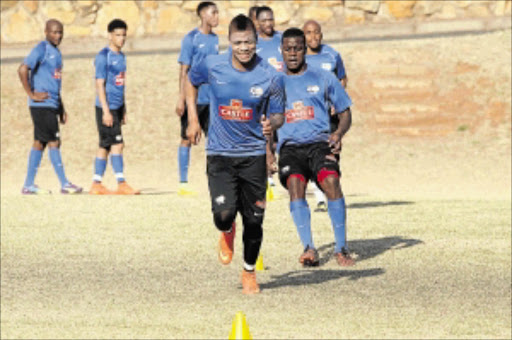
329, 60
45, 63
308, 98
270, 51
111, 66
237, 102
196, 46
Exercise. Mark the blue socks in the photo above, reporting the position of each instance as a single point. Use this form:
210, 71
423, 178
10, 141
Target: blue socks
56, 160
183, 160
100, 164
117, 165
337, 213
302, 218
34, 159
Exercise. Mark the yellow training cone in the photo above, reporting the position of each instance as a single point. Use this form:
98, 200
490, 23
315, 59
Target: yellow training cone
270, 193
259, 263
239, 329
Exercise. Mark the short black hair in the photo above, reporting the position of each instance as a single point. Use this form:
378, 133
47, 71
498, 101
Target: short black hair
252, 11
202, 5
293, 32
262, 9
241, 23
115, 24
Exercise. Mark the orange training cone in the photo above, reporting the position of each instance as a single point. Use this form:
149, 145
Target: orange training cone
239, 329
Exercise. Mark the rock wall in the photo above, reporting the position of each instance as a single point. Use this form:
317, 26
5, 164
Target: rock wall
23, 21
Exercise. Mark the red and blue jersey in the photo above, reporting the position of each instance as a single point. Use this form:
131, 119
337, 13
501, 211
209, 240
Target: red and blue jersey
45, 63
270, 51
237, 102
328, 59
196, 46
308, 98
111, 66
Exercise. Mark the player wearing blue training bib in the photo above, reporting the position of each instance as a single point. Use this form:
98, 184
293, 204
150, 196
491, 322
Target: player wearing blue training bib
110, 75
269, 40
195, 46
246, 104
307, 147
40, 74
324, 57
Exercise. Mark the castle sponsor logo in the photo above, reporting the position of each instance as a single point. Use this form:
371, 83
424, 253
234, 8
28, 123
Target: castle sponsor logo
235, 111
299, 113
120, 79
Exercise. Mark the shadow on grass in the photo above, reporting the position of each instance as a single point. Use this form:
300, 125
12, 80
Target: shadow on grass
153, 191
366, 249
312, 276
377, 204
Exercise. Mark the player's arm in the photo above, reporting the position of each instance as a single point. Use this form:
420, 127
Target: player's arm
193, 129
276, 107
107, 119
341, 103
23, 73
341, 73
63, 115
180, 104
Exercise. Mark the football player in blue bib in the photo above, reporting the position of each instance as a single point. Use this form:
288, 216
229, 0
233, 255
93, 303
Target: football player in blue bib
195, 46
269, 49
110, 75
246, 104
269, 40
40, 74
306, 146
324, 57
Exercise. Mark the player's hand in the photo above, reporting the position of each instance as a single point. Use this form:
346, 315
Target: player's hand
335, 143
194, 133
266, 126
123, 121
333, 111
63, 117
271, 164
180, 107
39, 96
108, 119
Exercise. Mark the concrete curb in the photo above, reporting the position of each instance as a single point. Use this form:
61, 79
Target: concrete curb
85, 48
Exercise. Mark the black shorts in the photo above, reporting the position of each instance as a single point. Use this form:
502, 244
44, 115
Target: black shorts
203, 114
238, 183
306, 160
110, 135
46, 123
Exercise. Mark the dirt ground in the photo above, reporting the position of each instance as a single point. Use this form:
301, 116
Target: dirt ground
428, 208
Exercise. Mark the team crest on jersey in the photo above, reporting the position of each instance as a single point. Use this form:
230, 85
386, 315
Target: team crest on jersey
278, 65
120, 79
313, 89
326, 66
57, 74
256, 91
235, 111
299, 112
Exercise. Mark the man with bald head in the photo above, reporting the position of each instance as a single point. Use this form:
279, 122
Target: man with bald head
325, 57
40, 74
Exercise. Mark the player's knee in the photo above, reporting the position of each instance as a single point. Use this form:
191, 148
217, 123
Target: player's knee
253, 230
117, 148
327, 177
54, 144
38, 145
294, 180
224, 219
